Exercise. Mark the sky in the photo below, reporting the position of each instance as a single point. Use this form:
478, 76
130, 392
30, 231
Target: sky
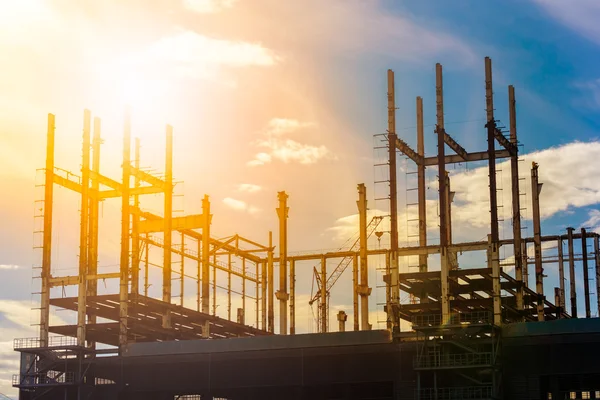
271, 95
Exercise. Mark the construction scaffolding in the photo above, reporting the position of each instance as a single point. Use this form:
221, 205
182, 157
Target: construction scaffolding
456, 313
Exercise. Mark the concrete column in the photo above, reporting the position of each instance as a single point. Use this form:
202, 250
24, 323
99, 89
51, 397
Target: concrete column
355, 286
282, 295
92, 285
421, 193
342, 318
536, 188
444, 260
168, 225
271, 284
323, 301
135, 221
395, 288
516, 197
263, 297
586, 278
83, 230
364, 290
292, 297
125, 223
47, 235
561, 274
207, 218
597, 267
572, 283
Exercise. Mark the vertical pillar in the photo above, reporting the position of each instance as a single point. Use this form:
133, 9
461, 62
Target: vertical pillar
271, 284
207, 217
214, 285
244, 289
135, 221
292, 297
125, 222
257, 295
395, 288
572, 283
516, 197
168, 225
92, 285
421, 193
495, 237
146, 264
444, 262
364, 290
536, 188
323, 303
452, 257
182, 282
557, 302
561, 274
525, 263
47, 238
229, 286
342, 318
199, 277
263, 297
597, 267
355, 285
282, 295
83, 230
586, 278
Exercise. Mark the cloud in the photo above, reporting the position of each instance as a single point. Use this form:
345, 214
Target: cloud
285, 149
249, 188
593, 220
9, 266
240, 205
208, 6
580, 16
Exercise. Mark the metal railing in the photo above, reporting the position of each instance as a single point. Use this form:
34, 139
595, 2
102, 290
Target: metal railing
455, 393
435, 320
49, 378
36, 343
453, 360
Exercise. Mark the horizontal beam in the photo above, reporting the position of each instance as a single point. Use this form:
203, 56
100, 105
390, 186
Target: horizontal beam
74, 280
142, 190
158, 225
477, 156
67, 183
106, 181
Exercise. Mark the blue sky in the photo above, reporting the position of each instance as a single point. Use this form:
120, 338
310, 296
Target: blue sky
284, 95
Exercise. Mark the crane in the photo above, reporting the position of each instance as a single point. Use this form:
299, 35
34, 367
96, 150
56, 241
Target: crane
337, 272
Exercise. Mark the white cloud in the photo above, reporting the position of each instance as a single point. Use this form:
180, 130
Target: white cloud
9, 266
581, 16
208, 6
240, 205
249, 188
285, 149
593, 220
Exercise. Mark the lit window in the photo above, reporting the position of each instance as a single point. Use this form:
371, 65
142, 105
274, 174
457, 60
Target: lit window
572, 395
598, 394
585, 395
549, 396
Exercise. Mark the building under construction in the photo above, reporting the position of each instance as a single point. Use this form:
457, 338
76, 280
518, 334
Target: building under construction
465, 333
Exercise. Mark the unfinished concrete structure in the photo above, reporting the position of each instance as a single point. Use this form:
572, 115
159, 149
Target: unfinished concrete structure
454, 348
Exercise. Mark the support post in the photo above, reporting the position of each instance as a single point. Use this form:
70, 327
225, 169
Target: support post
271, 284
244, 289
229, 286
444, 261
516, 197
125, 222
282, 295
364, 290
525, 259
395, 288
146, 264
323, 303
342, 318
47, 235
92, 286
182, 270
355, 285
263, 297
597, 267
572, 283
257, 294
292, 297
135, 221
557, 303
536, 188
586, 278
561, 274
83, 230
421, 189
495, 237
168, 225
207, 217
